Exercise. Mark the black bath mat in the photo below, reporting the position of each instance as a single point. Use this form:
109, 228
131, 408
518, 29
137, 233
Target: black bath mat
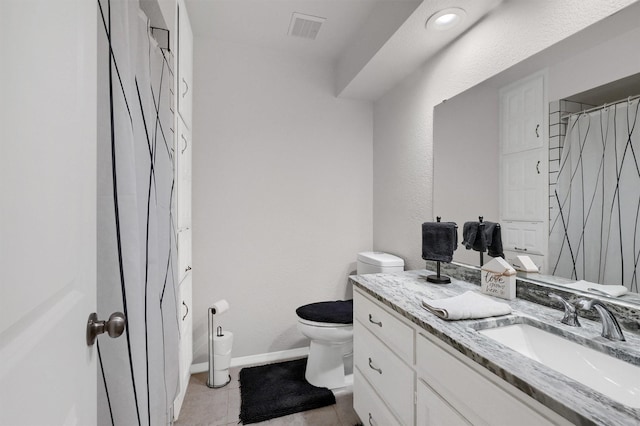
275, 390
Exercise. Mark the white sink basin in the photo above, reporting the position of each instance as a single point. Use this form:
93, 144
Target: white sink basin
610, 376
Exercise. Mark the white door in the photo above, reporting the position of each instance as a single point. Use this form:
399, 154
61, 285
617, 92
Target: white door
47, 211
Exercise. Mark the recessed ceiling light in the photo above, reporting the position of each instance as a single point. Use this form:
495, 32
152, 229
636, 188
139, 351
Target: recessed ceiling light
445, 19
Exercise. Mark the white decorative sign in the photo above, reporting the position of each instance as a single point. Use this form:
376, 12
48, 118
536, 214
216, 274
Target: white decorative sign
498, 279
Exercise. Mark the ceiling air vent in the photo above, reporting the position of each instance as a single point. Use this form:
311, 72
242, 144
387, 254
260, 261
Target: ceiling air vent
305, 26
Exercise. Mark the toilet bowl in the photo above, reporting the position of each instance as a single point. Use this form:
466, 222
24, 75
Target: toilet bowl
329, 326
329, 344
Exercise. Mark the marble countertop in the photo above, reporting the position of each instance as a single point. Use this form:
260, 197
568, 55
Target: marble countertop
578, 403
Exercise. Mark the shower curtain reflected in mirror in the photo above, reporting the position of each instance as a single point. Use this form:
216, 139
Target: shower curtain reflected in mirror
595, 224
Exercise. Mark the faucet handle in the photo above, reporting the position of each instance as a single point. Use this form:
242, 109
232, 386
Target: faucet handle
610, 328
570, 311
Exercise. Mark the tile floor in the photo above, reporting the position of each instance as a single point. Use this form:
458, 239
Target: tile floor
221, 407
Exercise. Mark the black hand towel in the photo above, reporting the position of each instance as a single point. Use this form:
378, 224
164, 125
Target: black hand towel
493, 235
439, 240
473, 236
483, 236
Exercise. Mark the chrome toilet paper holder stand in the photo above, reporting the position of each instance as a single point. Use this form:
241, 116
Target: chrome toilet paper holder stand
210, 380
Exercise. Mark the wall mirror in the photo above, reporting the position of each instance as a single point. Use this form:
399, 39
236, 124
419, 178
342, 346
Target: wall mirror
596, 66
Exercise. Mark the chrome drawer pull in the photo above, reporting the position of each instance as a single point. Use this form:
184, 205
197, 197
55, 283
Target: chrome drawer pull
378, 323
371, 420
379, 370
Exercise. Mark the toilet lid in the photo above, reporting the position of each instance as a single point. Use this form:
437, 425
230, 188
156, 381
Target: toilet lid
338, 312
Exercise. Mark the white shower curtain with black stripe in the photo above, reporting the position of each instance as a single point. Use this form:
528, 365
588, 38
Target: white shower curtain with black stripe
138, 372
595, 227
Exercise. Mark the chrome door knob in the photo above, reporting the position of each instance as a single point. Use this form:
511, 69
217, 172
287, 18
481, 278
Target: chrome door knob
114, 326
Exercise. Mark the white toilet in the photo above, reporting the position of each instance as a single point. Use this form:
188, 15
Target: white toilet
329, 326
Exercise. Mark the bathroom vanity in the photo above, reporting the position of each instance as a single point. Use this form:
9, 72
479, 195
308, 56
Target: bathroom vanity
413, 368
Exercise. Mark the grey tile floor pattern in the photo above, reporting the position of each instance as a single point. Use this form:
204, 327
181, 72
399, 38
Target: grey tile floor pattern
204, 406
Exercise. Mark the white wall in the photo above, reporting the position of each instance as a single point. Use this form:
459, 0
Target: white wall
282, 192
403, 118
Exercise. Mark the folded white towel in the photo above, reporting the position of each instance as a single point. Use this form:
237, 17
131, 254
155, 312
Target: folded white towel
466, 306
611, 290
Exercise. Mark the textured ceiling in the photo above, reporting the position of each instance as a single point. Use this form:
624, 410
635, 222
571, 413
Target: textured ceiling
391, 33
264, 23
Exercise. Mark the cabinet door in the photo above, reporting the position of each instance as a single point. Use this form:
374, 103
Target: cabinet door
524, 182
185, 64
431, 409
185, 352
522, 115
183, 177
184, 253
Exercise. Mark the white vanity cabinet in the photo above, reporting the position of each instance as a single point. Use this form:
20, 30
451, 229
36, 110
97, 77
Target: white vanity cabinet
460, 392
404, 375
383, 357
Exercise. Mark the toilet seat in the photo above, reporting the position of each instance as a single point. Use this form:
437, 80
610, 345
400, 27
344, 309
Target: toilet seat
323, 324
337, 312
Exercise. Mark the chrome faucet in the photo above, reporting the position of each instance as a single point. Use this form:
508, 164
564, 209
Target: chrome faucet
570, 311
610, 327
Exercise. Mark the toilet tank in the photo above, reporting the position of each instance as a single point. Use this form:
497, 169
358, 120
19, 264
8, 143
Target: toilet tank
375, 262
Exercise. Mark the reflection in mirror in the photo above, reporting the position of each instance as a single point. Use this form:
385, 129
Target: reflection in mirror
595, 198
593, 195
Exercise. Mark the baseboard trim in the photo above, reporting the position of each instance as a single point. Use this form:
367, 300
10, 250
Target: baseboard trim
244, 361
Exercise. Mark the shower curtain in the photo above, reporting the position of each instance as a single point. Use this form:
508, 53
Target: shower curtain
595, 228
138, 372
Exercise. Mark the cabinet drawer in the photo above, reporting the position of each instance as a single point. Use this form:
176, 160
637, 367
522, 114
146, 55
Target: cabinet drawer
386, 373
524, 237
476, 397
431, 409
368, 405
390, 330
